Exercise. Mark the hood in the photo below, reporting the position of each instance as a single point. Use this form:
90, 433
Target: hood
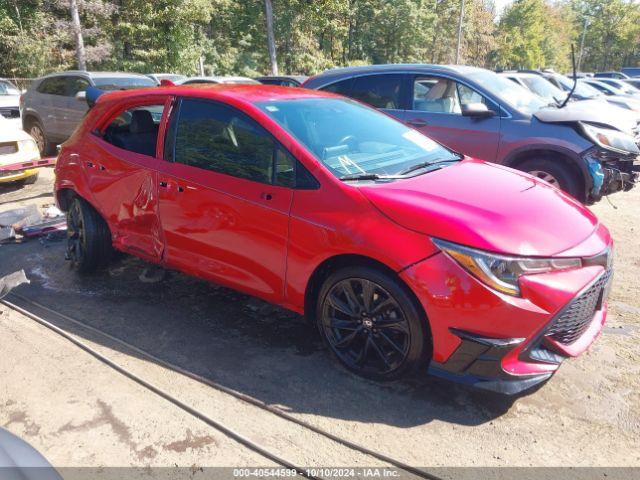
10, 130
592, 111
9, 101
486, 206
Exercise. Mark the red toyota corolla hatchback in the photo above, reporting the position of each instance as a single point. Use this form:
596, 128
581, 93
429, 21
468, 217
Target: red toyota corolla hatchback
405, 254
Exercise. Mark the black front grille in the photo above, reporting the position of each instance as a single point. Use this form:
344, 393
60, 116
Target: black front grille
575, 319
10, 112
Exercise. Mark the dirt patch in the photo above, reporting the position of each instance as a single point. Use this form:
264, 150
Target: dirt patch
191, 441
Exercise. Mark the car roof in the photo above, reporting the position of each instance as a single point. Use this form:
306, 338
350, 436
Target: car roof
298, 78
519, 74
404, 66
96, 74
220, 79
243, 93
346, 72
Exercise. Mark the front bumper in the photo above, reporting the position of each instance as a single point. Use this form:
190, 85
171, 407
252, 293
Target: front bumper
16, 175
509, 344
610, 172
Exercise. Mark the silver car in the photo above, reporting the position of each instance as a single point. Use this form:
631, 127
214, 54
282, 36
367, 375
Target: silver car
54, 105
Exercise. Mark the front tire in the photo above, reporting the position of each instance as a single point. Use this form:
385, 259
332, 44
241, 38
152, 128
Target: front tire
371, 323
88, 237
555, 172
37, 133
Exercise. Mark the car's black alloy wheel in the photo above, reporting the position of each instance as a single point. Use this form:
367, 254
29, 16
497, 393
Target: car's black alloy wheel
76, 240
88, 237
370, 324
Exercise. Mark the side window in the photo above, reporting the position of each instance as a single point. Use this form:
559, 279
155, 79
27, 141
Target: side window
285, 169
219, 138
75, 85
435, 94
468, 96
341, 88
380, 91
442, 95
136, 129
53, 86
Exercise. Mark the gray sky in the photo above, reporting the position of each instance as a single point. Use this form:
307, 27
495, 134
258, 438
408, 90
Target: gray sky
500, 4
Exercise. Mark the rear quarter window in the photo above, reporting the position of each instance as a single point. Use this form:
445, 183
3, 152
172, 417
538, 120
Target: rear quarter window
53, 86
342, 87
380, 91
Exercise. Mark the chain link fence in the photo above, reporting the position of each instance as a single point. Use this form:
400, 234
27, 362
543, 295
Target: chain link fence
20, 82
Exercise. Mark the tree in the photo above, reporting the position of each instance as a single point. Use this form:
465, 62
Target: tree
77, 31
271, 41
612, 37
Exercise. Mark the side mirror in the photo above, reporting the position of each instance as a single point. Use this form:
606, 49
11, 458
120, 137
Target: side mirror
81, 96
477, 110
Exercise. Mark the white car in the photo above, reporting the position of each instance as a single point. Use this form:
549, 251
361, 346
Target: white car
19, 155
10, 101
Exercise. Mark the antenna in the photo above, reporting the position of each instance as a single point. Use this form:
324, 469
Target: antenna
575, 77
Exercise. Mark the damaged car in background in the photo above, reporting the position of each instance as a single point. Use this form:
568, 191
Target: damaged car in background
586, 148
19, 155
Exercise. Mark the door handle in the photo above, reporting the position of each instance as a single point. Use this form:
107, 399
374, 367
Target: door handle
164, 184
102, 168
266, 196
418, 123
90, 164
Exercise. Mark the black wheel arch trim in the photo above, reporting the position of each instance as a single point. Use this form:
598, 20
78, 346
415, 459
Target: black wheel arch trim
520, 153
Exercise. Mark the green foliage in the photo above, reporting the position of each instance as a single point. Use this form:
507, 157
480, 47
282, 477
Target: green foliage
612, 37
312, 35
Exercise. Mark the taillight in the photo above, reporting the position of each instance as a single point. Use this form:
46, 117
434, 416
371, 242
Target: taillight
22, 101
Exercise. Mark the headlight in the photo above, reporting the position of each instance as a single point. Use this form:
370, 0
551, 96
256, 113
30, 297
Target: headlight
502, 272
29, 146
611, 139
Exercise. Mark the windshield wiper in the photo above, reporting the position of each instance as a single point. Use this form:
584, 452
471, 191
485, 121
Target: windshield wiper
419, 166
367, 176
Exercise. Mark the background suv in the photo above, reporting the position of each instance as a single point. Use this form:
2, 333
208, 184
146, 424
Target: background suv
54, 105
483, 115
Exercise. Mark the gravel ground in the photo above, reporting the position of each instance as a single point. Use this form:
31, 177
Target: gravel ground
80, 413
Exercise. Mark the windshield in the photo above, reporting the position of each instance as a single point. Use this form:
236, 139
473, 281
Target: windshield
625, 87
123, 83
544, 88
352, 139
583, 90
8, 89
506, 90
605, 88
